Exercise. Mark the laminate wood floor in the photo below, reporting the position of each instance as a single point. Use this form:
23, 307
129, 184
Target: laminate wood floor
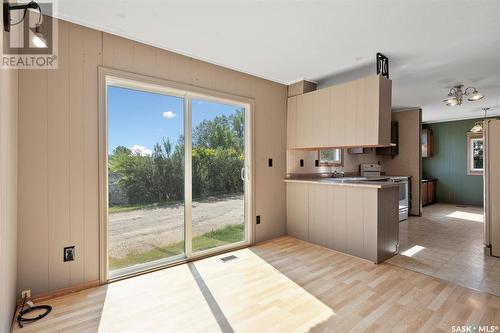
283, 285
447, 242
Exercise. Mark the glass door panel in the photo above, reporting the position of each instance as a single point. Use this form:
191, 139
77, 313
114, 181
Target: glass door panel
218, 188
145, 179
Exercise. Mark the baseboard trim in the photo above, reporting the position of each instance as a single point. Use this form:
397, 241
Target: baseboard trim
63, 291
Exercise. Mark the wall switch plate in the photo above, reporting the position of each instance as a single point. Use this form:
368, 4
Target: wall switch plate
257, 219
26, 293
69, 253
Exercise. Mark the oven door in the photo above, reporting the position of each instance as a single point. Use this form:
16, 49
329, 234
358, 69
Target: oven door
403, 198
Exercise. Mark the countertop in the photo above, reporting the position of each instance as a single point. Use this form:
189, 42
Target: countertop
343, 182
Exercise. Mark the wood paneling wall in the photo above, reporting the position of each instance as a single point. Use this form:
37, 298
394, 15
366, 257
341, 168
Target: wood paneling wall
8, 195
8, 191
58, 165
58, 142
408, 161
449, 164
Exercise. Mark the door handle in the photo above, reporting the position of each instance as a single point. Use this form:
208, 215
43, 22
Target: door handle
242, 174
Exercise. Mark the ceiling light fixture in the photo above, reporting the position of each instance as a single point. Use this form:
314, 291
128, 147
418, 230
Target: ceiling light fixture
457, 93
478, 125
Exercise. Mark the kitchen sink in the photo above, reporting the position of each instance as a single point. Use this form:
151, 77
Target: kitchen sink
344, 179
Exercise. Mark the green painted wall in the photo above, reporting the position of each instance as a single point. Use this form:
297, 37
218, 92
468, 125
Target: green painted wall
449, 164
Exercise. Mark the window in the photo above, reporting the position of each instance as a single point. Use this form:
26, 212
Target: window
475, 154
330, 156
175, 169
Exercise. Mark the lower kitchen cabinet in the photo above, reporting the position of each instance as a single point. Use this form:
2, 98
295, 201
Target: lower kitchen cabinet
319, 219
429, 187
361, 221
297, 210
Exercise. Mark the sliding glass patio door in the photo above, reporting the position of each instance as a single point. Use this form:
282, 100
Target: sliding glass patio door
177, 165
218, 175
145, 179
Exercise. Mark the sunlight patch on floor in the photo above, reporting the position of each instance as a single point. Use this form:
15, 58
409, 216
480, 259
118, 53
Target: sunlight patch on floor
412, 251
474, 217
245, 294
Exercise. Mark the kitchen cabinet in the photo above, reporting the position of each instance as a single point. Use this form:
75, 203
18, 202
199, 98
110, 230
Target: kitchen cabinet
429, 187
301, 87
393, 149
427, 142
291, 122
352, 114
362, 221
359, 150
319, 219
297, 210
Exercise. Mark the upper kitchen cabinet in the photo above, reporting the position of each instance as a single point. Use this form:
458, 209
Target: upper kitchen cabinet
356, 113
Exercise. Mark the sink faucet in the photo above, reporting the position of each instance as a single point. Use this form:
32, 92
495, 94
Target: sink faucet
336, 174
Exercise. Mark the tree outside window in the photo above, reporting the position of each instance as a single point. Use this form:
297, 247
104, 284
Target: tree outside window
330, 157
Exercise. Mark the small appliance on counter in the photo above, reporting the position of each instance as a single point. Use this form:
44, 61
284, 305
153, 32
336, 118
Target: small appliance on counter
372, 172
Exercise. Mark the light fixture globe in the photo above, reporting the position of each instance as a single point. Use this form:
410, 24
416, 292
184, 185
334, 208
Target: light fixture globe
478, 127
475, 96
449, 98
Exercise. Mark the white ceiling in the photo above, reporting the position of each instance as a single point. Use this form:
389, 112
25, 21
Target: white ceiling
432, 45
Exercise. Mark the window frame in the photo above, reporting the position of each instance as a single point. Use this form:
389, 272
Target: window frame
471, 137
110, 76
339, 164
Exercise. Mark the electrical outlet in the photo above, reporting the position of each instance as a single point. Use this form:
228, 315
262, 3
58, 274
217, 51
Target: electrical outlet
25, 293
69, 253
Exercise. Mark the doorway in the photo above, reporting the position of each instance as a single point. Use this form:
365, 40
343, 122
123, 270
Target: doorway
177, 171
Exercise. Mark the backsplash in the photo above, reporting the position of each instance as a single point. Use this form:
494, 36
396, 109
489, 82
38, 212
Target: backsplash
309, 157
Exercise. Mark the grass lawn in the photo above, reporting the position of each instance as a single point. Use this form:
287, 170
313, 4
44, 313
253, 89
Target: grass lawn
229, 234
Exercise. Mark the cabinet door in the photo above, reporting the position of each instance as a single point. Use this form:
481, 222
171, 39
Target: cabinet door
322, 133
304, 123
305, 119
432, 192
354, 221
384, 110
337, 212
337, 120
425, 193
291, 123
318, 215
297, 210
349, 112
362, 111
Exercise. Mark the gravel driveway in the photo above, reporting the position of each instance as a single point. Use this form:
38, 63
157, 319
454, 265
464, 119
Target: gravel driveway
143, 229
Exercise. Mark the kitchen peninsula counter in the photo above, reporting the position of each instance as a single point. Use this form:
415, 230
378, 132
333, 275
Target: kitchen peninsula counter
357, 217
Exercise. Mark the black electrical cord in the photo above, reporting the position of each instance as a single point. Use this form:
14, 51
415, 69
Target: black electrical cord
22, 312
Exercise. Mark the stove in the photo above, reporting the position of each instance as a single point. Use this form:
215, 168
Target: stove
372, 172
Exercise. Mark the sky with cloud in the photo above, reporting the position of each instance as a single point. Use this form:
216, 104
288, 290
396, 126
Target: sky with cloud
138, 119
